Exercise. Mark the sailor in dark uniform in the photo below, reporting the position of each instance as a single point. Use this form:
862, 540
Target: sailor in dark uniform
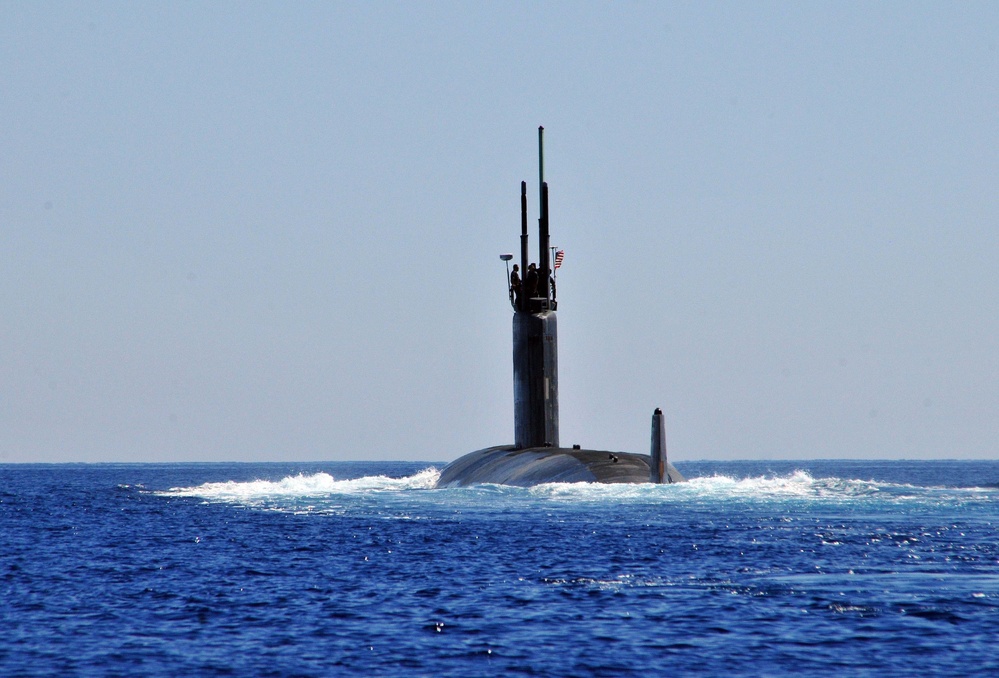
531, 283
515, 286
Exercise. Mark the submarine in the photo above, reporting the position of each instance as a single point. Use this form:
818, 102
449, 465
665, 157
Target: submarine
535, 457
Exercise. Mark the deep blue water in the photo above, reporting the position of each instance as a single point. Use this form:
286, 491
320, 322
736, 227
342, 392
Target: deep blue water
753, 568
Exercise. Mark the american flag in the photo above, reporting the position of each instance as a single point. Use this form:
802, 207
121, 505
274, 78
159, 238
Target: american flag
559, 255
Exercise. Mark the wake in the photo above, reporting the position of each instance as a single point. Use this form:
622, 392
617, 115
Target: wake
320, 489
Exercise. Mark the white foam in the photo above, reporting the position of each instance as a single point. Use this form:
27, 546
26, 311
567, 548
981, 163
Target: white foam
798, 485
302, 486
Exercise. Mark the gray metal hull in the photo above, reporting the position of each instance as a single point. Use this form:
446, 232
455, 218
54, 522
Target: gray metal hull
506, 465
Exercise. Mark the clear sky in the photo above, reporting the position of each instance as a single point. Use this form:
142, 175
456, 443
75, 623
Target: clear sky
269, 231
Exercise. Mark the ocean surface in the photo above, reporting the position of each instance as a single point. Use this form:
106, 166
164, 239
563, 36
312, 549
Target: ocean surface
313, 569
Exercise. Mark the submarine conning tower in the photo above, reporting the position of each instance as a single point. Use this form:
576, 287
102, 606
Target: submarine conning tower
535, 333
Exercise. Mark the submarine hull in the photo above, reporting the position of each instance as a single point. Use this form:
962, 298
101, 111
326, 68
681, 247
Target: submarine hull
507, 465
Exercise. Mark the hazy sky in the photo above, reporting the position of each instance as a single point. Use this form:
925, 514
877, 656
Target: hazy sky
269, 231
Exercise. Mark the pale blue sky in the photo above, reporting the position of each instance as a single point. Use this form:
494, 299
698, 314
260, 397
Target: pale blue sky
269, 231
